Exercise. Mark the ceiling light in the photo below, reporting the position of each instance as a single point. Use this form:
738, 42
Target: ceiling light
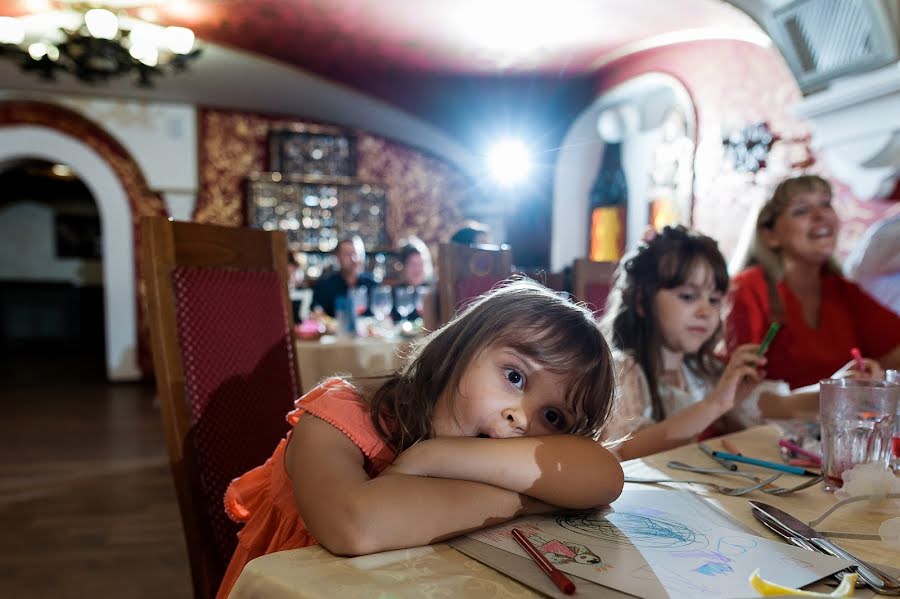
95, 44
509, 161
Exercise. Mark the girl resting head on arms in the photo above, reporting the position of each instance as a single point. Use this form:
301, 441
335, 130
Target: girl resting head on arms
663, 320
494, 416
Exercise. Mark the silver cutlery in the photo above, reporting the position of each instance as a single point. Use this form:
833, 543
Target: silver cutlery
776, 527
881, 582
717, 471
734, 492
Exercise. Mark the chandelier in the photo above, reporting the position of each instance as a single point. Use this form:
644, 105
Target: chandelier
95, 44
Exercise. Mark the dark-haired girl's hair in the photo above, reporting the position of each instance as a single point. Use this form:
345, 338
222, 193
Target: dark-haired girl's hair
665, 262
521, 315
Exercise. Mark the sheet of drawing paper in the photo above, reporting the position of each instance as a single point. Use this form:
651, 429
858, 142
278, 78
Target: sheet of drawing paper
654, 543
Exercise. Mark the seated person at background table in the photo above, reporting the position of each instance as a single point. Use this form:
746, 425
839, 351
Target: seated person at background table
351, 256
792, 278
663, 319
875, 262
472, 233
417, 272
294, 283
493, 417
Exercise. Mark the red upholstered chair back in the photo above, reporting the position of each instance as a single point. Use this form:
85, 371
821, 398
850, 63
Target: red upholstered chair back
592, 282
465, 272
224, 361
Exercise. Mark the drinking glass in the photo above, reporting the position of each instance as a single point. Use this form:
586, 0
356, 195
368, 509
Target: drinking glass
857, 419
360, 296
382, 302
405, 300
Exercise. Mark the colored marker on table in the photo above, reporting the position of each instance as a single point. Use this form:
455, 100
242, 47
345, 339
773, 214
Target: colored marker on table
764, 464
857, 355
723, 463
767, 341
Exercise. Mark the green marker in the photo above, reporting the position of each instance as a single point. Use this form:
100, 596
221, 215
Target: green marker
770, 334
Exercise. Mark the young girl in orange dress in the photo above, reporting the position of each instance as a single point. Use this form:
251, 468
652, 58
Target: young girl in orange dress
494, 416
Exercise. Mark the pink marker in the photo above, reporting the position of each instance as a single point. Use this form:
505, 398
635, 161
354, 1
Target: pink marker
857, 355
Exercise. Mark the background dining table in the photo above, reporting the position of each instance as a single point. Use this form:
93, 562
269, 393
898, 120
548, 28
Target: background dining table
354, 356
441, 571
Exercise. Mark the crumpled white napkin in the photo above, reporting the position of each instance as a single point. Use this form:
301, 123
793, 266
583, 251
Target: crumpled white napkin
868, 479
876, 481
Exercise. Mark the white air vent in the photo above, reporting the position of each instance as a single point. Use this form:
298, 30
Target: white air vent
825, 39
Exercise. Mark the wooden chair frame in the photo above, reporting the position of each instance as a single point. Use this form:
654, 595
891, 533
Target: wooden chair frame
166, 245
454, 262
585, 272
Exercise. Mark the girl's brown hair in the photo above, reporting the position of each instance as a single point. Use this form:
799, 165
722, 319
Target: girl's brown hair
665, 262
761, 254
519, 314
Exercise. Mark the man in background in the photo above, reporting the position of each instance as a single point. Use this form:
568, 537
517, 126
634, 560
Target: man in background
351, 256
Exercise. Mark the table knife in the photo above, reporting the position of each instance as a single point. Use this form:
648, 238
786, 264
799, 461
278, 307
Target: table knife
880, 582
767, 521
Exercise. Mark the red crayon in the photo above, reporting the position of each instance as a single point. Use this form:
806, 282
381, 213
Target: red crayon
857, 355
559, 579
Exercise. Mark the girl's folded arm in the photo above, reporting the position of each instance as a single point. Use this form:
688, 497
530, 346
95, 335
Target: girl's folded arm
563, 470
350, 514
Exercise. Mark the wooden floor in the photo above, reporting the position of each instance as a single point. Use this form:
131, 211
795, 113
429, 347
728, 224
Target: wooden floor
87, 504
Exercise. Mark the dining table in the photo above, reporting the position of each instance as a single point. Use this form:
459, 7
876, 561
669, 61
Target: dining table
330, 355
440, 571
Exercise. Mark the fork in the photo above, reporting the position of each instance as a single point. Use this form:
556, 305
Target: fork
773, 491
733, 492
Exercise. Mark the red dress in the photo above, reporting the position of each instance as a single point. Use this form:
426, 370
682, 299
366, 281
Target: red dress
264, 499
800, 354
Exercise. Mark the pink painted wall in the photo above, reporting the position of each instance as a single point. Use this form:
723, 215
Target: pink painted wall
733, 84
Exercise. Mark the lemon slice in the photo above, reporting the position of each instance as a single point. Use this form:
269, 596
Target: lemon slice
768, 589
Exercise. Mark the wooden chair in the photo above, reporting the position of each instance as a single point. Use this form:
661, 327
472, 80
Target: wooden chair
465, 272
592, 282
223, 352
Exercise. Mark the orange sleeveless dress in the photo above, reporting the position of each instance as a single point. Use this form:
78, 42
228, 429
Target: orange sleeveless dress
263, 498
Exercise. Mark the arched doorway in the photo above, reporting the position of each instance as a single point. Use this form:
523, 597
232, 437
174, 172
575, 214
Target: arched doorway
636, 115
120, 313
51, 304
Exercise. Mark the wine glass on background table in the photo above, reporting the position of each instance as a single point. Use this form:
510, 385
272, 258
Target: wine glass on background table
382, 302
405, 300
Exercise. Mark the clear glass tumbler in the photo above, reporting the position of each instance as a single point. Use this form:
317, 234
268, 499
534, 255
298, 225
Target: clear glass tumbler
857, 418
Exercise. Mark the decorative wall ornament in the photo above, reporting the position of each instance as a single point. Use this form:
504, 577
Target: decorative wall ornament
747, 148
671, 187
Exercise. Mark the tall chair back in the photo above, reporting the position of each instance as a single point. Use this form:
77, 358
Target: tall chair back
223, 355
592, 282
465, 272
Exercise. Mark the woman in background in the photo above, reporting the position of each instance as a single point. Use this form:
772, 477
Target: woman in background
791, 277
417, 272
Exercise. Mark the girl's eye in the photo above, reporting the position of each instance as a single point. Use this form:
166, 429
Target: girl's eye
800, 210
555, 418
687, 297
515, 378
715, 301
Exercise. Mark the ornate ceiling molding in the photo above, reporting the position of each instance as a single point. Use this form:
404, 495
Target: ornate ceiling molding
857, 129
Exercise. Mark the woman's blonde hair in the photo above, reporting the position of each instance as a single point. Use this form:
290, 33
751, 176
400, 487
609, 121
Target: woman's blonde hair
765, 257
519, 314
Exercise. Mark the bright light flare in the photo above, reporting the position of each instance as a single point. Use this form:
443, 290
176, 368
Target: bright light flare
509, 161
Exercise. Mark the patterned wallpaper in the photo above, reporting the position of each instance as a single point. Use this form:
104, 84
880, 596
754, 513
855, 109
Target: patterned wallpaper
734, 84
424, 193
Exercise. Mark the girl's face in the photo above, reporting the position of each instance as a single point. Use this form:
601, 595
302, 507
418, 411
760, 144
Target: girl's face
807, 229
503, 394
688, 315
